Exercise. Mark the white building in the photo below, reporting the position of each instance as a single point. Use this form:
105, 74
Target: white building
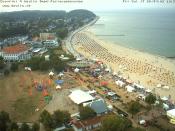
88, 125
50, 43
17, 52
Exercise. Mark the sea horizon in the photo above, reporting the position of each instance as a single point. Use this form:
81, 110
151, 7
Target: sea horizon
150, 31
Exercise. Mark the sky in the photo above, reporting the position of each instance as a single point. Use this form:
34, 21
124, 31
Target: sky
93, 5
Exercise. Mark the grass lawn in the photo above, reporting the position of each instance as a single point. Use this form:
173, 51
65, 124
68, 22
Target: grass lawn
19, 97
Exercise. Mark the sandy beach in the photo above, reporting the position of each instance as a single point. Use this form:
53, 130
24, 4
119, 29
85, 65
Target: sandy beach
140, 67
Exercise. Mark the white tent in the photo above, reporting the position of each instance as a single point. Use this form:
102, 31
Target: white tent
111, 93
60, 74
107, 70
130, 88
76, 70
79, 59
165, 106
51, 73
164, 98
142, 122
28, 68
58, 87
47, 57
171, 113
120, 83
92, 92
142, 96
138, 86
148, 91
79, 96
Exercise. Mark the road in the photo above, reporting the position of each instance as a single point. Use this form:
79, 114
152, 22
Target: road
68, 41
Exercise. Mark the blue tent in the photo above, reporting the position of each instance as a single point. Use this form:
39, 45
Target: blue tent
59, 82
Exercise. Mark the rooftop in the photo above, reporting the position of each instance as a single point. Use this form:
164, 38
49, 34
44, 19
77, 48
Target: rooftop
15, 49
88, 122
79, 96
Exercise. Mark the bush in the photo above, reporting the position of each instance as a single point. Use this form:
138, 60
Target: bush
6, 72
14, 66
24, 127
86, 112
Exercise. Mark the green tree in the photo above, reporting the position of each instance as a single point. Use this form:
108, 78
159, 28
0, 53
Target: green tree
115, 123
86, 112
13, 126
1, 62
35, 127
62, 32
134, 107
46, 119
4, 120
14, 66
24, 127
34, 63
6, 72
136, 129
150, 99
60, 117
44, 65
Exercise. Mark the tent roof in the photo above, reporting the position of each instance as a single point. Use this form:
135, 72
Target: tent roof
59, 81
171, 113
58, 87
130, 88
99, 106
111, 93
148, 90
164, 98
51, 73
76, 70
79, 96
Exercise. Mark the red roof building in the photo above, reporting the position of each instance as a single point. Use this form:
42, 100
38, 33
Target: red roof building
16, 52
16, 49
88, 125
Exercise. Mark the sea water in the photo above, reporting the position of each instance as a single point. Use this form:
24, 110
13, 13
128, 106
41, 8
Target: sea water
149, 30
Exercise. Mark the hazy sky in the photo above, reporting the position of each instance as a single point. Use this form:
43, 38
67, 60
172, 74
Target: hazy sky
94, 5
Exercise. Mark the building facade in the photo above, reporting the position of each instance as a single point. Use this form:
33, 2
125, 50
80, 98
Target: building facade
18, 52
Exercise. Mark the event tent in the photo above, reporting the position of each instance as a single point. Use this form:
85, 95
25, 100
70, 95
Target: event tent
79, 96
164, 98
59, 82
171, 113
120, 83
51, 73
58, 87
76, 70
130, 88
